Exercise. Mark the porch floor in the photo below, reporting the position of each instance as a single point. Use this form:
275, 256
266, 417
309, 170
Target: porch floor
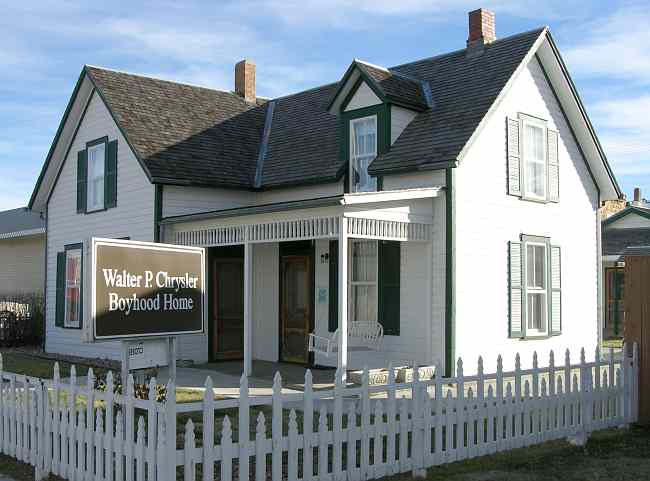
226, 377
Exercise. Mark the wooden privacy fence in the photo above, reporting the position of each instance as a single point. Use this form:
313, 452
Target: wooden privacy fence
351, 432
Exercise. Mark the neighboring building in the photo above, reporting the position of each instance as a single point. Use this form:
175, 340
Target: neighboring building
622, 232
22, 252
454, 200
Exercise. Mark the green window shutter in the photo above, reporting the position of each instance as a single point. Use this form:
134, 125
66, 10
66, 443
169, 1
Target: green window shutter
82, 180
514, 157
389, 287
553, 166
333, 315
516, 325
110, 173
60, 289
556, 292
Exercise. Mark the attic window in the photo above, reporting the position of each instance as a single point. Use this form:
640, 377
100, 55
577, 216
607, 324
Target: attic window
363, 149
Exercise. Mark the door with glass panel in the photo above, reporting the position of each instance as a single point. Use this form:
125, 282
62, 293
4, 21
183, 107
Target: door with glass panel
536, 289
296, 297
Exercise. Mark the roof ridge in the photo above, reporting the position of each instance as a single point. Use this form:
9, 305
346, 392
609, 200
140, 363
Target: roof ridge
380, 67
441, 55
152, 77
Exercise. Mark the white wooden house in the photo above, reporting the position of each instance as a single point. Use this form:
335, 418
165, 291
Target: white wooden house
452, 201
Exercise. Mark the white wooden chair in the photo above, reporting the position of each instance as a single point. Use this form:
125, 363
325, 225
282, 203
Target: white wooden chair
362, 335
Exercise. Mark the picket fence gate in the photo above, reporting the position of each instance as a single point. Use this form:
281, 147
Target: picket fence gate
348, 433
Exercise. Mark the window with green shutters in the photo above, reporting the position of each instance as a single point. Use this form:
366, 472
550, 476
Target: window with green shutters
374, 284
535, 288
97, 176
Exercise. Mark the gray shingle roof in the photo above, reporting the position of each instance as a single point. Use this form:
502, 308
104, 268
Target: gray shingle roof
397, 87
184, 134
197, 136
463, 89
17, 222
616, 241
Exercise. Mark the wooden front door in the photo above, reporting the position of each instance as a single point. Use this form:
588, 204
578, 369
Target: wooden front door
295, 307
227, 340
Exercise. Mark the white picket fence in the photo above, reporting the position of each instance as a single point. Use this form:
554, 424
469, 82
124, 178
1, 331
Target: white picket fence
350, 432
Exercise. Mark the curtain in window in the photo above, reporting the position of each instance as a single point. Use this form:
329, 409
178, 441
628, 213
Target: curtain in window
73, 288
364, 150
363, 282
535, 161
96, 155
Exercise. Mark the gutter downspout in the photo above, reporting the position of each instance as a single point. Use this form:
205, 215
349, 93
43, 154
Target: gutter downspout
450, 270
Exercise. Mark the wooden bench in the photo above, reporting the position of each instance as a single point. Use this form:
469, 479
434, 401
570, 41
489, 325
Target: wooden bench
362, 335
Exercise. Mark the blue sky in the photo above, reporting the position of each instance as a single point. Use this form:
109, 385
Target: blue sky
298, 44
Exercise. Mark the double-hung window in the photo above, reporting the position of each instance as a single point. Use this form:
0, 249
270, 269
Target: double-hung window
363, 149
96, 162
363, 280
535, 177
72, 294
536, 288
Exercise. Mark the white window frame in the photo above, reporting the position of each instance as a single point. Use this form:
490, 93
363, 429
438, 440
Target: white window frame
73, 284
543, 291
91, 182
353, 158
352, 283
541, 124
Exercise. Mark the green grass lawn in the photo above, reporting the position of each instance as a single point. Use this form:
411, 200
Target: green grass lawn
612, 455
30, 365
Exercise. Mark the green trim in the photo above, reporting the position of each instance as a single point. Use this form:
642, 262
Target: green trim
630, 209
583, 111
59, 130
363, 76
573, 134
157, 211
382, 112
450, 269
110, 111
92, 143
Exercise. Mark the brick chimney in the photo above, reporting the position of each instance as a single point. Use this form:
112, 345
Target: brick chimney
481, 28
245, 80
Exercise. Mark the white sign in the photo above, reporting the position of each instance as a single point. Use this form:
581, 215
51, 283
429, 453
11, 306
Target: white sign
147, 353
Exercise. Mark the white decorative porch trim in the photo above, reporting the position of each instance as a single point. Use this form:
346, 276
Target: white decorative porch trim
388, 230
304, 229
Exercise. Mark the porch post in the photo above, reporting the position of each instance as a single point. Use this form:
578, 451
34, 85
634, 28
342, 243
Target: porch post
342, 360
248, 304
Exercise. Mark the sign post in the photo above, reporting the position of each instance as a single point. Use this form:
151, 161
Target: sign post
143, 290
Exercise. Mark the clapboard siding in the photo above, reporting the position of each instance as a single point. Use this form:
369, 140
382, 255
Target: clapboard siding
133, 217
191, 200
399, 119
363, 97
414, 180
487, 218
22, 265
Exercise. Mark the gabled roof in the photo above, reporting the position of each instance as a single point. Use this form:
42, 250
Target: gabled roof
630, 209
463, 89
189, 135
389, 85
20, 222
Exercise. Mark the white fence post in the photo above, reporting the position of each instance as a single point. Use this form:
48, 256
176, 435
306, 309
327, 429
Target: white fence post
443, 420
208, 430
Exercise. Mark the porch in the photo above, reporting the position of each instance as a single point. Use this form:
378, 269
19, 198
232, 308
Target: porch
277, 275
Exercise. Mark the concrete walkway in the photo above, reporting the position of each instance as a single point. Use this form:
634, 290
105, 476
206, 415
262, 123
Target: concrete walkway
226, 377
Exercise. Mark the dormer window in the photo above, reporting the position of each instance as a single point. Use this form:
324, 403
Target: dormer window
363, 149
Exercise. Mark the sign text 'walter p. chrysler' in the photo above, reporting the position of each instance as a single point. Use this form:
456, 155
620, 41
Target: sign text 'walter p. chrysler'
143, 289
